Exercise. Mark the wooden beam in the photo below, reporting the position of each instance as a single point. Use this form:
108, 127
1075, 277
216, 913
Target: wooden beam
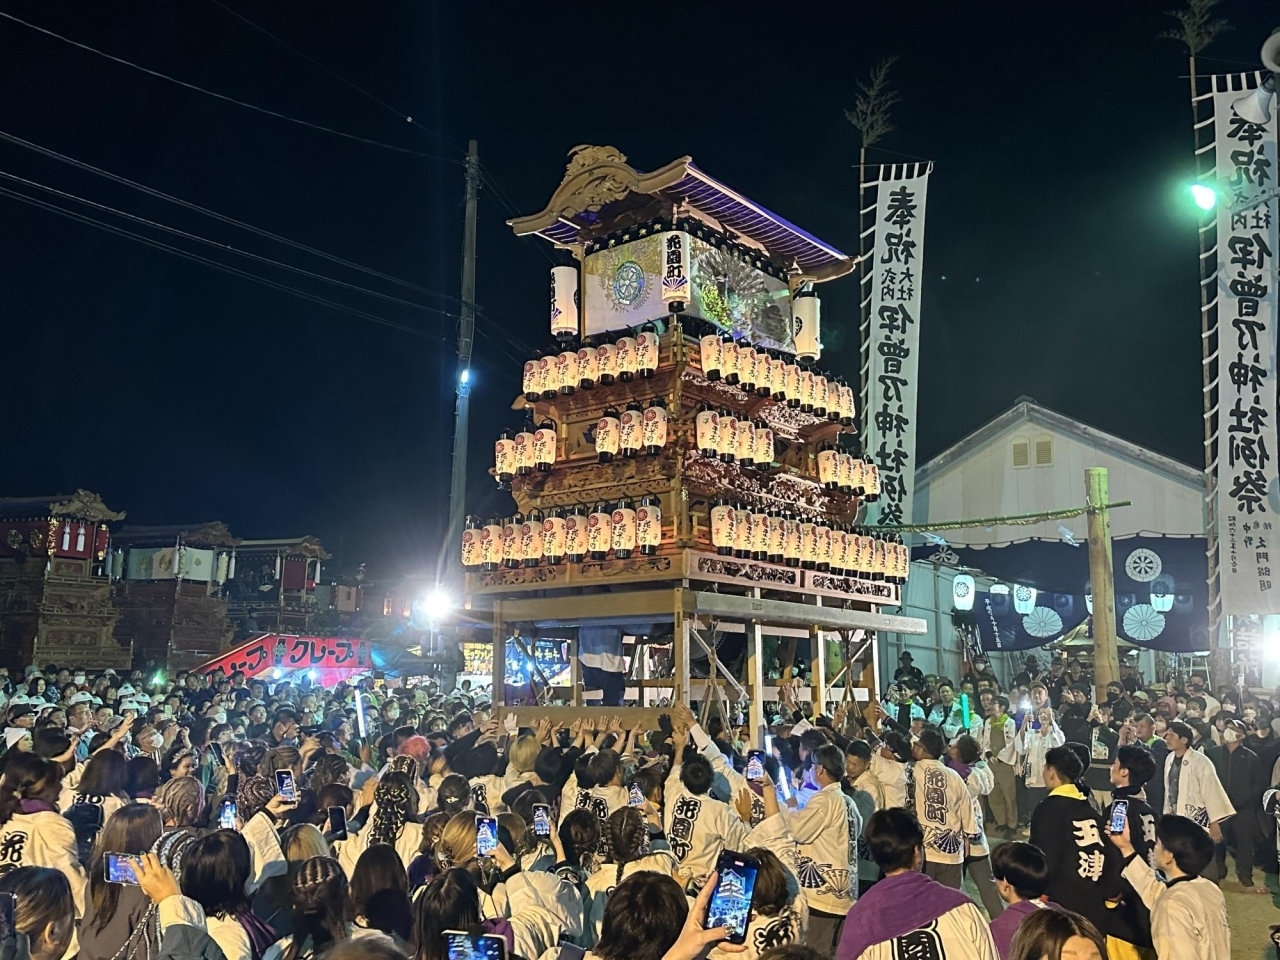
645, 717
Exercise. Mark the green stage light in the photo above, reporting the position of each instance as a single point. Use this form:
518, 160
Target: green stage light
1205, 196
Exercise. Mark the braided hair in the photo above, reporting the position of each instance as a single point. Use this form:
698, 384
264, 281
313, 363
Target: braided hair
397, 802
628, 837
321, 906
403, 763
180, 801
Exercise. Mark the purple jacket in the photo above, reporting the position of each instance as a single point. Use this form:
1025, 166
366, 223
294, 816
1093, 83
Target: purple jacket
1005, 926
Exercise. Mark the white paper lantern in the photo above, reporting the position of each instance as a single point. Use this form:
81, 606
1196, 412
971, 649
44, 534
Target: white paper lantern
623, 535
806, 324
723, 524
709, 355
575, 535
554, 537
649, 525
564, 302
962, 591
1024, 598
1162, 594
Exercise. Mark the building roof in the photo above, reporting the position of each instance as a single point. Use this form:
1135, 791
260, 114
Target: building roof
601, 192
81, 505
1027, 410
307, 546
213, 533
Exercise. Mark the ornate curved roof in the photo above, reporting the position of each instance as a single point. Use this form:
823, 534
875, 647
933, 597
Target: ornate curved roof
601, 192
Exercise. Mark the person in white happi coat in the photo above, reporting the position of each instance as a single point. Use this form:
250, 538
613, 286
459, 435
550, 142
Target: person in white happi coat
1191, 785
1188, 913
998, 738
32, 832
699, 827
779, 909
909, 914
1038, 735
827, 832
944, 808
965, 758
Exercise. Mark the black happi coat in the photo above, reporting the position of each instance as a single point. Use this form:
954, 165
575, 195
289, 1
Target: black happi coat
1084, 866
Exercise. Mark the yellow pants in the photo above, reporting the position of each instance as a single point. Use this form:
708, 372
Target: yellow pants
1123, 950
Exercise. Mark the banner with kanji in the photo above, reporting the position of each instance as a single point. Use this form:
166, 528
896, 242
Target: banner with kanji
1247, 497
894, 334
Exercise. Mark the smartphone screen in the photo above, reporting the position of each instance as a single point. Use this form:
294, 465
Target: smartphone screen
486, 836
542, 820
466, 946
285, 786
227, 815
635, 796
337, 823
120, 868
1119, 814
755, 765
215, 748
8, 901
784, 783
731, 901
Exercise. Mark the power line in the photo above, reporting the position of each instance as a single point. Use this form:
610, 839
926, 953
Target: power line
151, 191
486, 176
223, 96
400, 114
186, 254
221, 246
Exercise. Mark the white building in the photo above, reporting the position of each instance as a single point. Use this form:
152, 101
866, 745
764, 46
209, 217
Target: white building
1031, 460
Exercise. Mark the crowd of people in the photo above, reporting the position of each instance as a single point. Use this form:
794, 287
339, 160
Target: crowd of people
232, 818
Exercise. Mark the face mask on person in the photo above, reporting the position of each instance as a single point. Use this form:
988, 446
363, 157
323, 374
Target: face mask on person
220, 717
79, 679
155, 741
1228, 708
1230, 736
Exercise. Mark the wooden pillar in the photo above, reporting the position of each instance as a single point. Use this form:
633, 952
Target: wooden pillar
1106, 667
680, 648
755, 675
499, 655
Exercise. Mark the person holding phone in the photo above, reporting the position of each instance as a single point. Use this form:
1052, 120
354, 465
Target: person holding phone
538, 904
1038, 734
118, 919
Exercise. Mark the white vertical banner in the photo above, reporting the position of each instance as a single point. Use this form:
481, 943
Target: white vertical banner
1248, 499
897, 275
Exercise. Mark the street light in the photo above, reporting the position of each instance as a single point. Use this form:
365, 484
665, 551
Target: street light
1205, 197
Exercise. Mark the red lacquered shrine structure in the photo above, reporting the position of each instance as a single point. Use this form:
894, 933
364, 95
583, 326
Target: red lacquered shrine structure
684, 462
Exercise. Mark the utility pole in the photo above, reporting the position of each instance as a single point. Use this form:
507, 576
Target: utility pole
1106, 665
466, 337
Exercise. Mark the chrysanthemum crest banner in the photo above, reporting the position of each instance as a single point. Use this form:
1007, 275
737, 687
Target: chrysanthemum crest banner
1248, 500
894, 332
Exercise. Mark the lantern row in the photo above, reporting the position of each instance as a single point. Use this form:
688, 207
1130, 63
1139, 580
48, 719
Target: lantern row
571, 365
559, 535
810, 543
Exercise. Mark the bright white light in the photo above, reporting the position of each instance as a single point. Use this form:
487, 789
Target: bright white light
465, 376
436, 605
1204, 196
277, 673
314, 675
1271, 637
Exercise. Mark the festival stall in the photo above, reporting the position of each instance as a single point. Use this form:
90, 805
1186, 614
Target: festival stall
325, 660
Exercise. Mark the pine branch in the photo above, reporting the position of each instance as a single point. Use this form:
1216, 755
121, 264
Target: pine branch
1196, 26
870, 113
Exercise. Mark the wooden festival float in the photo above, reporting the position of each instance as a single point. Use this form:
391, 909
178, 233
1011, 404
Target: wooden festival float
683, 463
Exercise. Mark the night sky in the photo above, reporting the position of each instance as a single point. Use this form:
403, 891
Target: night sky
1059, 257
